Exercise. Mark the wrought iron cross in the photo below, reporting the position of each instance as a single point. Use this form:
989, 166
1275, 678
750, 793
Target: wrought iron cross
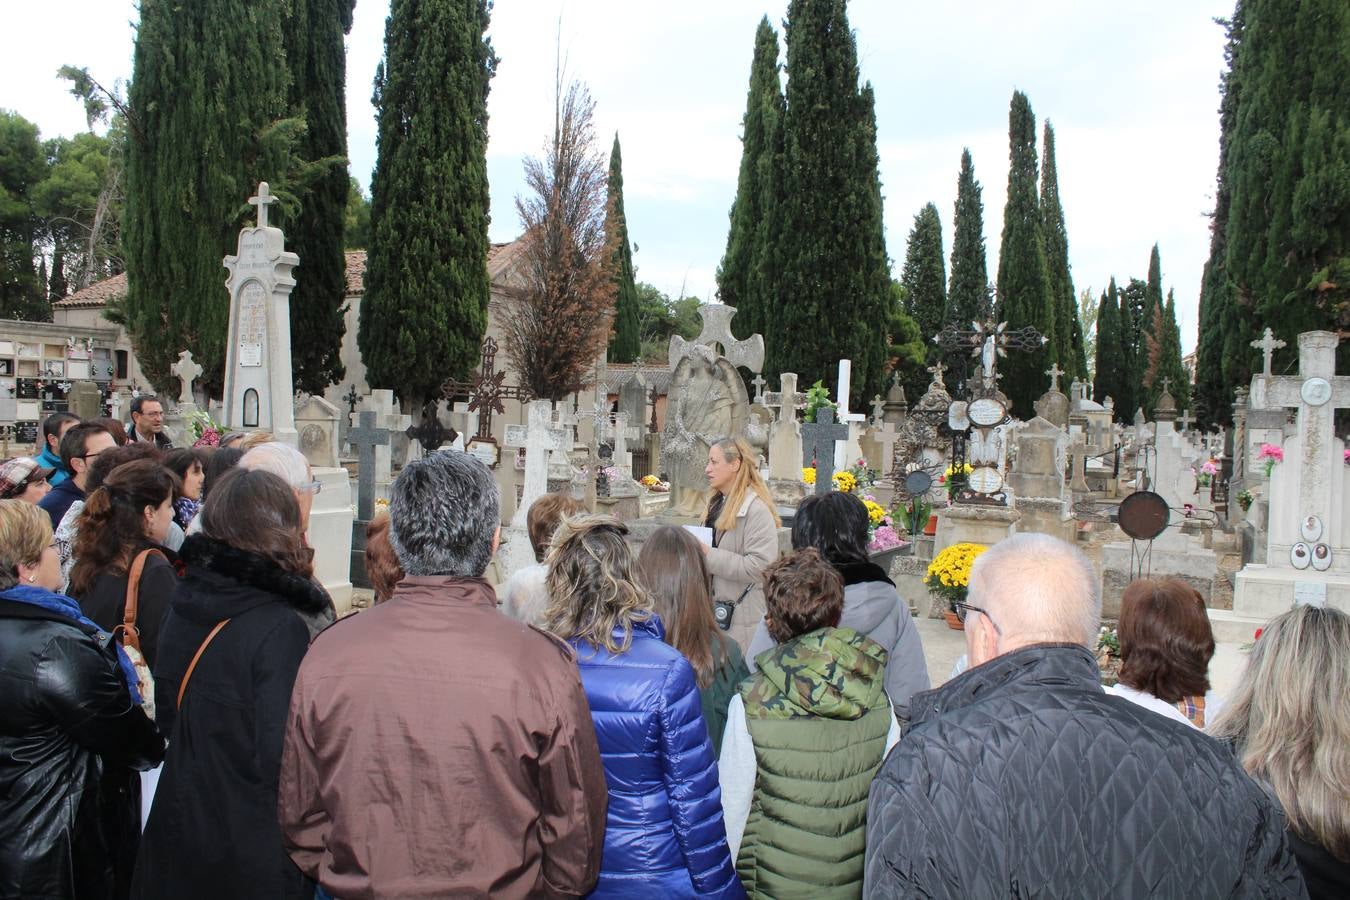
352, 399
431, 434
486, 391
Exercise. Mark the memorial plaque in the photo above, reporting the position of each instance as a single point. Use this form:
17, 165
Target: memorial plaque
252, 324
1310, 593
1143, 515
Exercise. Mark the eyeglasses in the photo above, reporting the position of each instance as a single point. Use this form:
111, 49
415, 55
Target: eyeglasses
309, 487
157, 414
964, 609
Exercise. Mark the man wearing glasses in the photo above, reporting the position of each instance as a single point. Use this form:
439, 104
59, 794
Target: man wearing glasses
147, 422
1022, 777
80, 445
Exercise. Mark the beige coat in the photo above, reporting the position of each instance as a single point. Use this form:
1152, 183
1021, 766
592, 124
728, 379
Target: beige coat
739, 560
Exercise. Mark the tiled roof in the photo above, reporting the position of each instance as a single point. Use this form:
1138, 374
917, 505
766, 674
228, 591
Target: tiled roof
96, 295
356, 272
618, 374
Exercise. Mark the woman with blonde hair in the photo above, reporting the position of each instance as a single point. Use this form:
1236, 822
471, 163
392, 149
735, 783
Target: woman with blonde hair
664, 835
1289, 722
672, 569
745, 524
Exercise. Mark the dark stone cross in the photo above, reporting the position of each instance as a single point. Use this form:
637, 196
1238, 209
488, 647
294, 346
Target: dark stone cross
431, 434
345, 422
364, 438
819, 436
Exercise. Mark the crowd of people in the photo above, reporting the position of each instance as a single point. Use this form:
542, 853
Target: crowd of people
184, 716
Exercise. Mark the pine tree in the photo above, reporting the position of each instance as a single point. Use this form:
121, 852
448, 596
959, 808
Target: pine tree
209, 96
746, 277
56, 282
1109, 364
625, 343
968, 290
426, 301
317, 58
835, 281
1023, 286
1068, 332
925, 290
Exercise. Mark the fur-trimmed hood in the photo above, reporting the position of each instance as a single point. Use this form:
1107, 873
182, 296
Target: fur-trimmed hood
215, 562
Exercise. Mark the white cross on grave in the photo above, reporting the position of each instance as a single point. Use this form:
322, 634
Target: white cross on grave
1054, 372
263, 200
539, 438
619, 434
187, 371
759, 382
1267, 345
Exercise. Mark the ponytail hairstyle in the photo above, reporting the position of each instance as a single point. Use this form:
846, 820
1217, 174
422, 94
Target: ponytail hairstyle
112, 523
747, 479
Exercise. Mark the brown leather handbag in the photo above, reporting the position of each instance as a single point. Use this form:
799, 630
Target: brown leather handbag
130, 636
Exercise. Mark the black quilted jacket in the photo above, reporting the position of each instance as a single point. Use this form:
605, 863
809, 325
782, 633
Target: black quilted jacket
1021, 778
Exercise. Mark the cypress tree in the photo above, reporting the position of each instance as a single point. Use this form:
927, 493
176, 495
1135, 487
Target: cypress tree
1217, 308
1127, 320
746, 277
1109, 365
924, 276
925, 290
56, 282
1023, 286
1068, 331
317, 58
1148, 344
968, 290
209, 96
624, 343
835, 282
1165, 351
426, 301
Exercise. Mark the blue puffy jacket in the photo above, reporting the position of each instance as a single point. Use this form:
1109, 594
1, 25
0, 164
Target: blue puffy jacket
664, 836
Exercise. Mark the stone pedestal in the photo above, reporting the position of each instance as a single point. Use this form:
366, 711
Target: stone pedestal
1046, 515
330, 534
1183, 558
985, 525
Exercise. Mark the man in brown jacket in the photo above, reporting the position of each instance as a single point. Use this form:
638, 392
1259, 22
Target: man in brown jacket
435, 747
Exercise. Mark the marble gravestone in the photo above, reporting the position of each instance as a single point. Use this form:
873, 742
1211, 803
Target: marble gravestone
85, 400
707, 401
317, 422
541, 438
1037, 480
1308, 525
258, 383
785, 443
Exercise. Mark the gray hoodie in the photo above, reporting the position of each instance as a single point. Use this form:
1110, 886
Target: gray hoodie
872, 606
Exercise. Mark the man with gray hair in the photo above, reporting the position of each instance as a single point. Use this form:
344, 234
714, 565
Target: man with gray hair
290, 465
435, 747
1022, 777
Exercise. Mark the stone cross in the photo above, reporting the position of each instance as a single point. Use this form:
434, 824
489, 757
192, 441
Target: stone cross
878, 410
187, 371
1054, 372
819, 440
716, 331
540, 438
788, 400
936, 369
263, 200
1186, 420
759, 382
364, 438
1267, 345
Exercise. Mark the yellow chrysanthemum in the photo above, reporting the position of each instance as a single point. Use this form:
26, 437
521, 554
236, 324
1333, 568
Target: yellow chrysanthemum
844, 481
809, 476
875, 513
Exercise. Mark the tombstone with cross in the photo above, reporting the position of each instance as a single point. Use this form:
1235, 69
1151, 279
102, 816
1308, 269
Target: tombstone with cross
364, 439
1308, 536
486, 391
819, 440
259, 389
186, 370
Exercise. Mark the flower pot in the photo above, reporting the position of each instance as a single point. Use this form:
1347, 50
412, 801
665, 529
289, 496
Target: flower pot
931, 528
954, 621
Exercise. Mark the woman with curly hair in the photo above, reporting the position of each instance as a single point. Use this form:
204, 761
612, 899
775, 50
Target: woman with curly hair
664, 835
1289, 721
120, 554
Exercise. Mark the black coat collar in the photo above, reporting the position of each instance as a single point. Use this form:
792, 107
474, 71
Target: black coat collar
1041, 665
253, 570
862, 573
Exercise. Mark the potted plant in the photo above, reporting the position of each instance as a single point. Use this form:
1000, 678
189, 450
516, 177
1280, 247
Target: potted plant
817, 397
913, 518
883, 541
1108, 655
954, 480
948, 577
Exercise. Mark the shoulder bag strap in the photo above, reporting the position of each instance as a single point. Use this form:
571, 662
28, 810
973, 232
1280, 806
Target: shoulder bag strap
187, 676
131, 635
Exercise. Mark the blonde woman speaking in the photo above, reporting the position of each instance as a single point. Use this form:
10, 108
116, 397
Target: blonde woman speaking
745, 537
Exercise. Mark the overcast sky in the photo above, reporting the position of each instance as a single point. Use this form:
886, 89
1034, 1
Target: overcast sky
1132, 90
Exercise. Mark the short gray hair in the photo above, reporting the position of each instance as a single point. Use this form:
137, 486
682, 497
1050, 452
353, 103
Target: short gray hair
282, 460
1038, 589
443, 512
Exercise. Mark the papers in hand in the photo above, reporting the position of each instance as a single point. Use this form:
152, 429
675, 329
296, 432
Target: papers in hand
702, 532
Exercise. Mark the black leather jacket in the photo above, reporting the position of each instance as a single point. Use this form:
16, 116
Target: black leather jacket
68, 730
